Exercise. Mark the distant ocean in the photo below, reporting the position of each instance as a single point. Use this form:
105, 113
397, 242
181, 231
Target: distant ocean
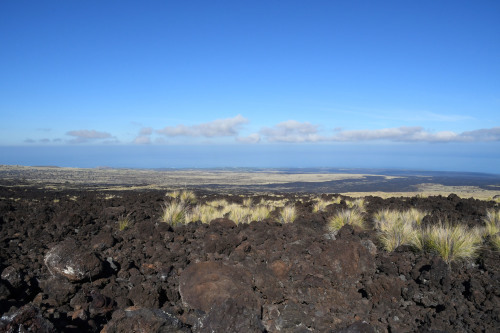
434, 157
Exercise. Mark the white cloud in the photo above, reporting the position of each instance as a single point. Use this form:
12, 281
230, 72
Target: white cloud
216, 128
142, 140
146, 131
82, 136
252, 138
484, 134
418, 134
292, 131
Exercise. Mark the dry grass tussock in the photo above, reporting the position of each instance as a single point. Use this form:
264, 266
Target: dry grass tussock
321, 204
452, 242
288, 214
358, 204
181, 212
492, 227
399, 228
123, 222
492, 221
346, 216
174, 213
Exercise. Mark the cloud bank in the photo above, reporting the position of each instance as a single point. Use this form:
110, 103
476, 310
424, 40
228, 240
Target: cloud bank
82, 136
293, 131
216, 128
290, 131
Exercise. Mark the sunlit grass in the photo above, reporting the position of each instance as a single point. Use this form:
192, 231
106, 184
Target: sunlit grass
320, 205
173, 213
495, 241
220, 203
492, 221
288, 214
239, 214
248, 202
187, 197
453, 242
358, 204
260, 213
174, 194
123, 222
399, 228
346, 216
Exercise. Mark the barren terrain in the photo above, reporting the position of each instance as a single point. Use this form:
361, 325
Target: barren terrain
70, 263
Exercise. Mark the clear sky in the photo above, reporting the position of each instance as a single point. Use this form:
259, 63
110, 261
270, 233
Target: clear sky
282, 76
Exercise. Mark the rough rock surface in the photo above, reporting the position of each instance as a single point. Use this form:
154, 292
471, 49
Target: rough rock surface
66, 265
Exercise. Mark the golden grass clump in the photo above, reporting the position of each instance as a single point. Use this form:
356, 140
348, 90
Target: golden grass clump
248, 202
187, 197
416, 215
346, 216
399, 233
174, 213
399, 228
174, 194
123, 222
220, 203
358, 204
238, 214
495, 241
260, 213
320, 205
288, 214
453, 242
492, 221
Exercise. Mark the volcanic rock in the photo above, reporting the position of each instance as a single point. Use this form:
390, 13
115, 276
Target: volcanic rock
70, 260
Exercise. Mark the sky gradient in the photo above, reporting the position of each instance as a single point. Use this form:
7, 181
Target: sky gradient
412, 81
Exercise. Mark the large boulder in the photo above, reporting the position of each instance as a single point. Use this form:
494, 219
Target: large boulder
70, 260
224, 294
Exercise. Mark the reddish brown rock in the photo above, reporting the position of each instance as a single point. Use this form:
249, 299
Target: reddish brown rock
206, 285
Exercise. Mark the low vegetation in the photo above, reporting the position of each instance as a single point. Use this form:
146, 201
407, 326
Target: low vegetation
174, 213
346, 216
452, 242
123, 222
288, 214
394, 228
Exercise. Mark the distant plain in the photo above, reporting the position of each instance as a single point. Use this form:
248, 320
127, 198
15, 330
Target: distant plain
353, 182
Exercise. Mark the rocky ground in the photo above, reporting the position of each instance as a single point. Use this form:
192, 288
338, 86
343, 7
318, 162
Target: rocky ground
66, 266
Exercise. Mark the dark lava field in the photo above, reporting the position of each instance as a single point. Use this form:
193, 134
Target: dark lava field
68, 265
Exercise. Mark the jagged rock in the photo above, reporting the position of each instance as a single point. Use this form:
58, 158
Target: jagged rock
26, 319
357, 327
70, 260
13, 276
144, 320
206, 285
224, 293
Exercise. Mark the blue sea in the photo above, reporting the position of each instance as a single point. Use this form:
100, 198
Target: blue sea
433, 157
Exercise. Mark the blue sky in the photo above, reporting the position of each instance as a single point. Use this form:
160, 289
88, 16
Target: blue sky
412, 75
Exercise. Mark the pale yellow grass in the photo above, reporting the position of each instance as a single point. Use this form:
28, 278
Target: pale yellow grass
346, 216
